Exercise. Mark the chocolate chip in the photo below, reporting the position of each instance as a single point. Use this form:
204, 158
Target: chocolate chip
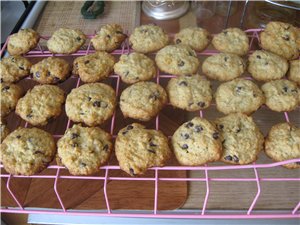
294, 90
229, 158
215, 135
89, 98
21, 67
184, 146
108, 36
238, 130
18, 136
81, 113
129, 127
124, 132
183, 83
223, 142
152, 151
37, 74
13, 59
221, 126
286, 28
152, 144
201, 104
154, 96
285, 89
180, 64
287, 38
119, 32
198, 129
235, 159
87, 61
258, 56
131, 171
266, 63
29, 115
1, 80
178, 41
191, 54
78, 39
225, 32
48, 74
189, 124
97, 104
82, 164
74, 145
38, 152
126, 73
185, 136
4, 89
238, 89
74, 135
105, 148
225, 59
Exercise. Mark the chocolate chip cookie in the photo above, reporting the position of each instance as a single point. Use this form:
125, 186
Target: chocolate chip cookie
91, 104
94, 67
294, 72
189, 92
41, 104
84, 149
177, 59
239, 95
138, 149
10, 94
223, 66
196, 142
135, 67
142, 100
241, 138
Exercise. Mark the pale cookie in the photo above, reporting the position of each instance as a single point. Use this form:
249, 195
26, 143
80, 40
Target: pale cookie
223, 66
138, 149
283, 143
281, 95
189, 92
135, 67
232, 40
108, 38
14, 68
94, 67
4, 131
148, 38
241, 138
266, 66
84, 149
22, 42
41, 104
239, 95
294, 72
91, 104
27, 151
66, 41
10, 94
195, 37
282, 39
177, 59
142, 100
50, 70
196, 142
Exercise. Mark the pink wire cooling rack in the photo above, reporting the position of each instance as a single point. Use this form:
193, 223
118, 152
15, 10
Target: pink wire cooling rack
155, 213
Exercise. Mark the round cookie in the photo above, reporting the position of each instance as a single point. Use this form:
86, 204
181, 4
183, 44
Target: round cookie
138, 149
195, 37
294, 72
241, 138
84, 149
281, 95
223, 66
94, 67
50, 70
232, 40
27, 151
148, 38
4, 131
282, 39
177, 59
239, 95
196, 142
22, 42
41, 104
135, 67
266, 66
10, 94
14, 68
91, 104
283, 143
108, 38
142, 100
66, 41
190, 93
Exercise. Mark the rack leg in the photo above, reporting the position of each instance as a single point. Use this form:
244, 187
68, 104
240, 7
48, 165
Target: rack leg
56, 192
296, 208
105, 192
12, 193
156, 192
207, 192
258, 192
244, 13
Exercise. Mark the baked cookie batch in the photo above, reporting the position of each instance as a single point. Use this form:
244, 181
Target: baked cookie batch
234, 138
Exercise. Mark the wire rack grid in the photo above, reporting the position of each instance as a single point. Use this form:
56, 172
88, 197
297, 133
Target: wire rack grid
155, 213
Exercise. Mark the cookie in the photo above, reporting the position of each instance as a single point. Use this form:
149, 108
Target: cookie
22, 42
223, 66
108, 38
94, 67
239, 95
138, 149
4, 131
241, 138
66, 41
283, 39
195, 37
266, 66
142, 100
135, 67
283, 143
196, 142
41, 104
232, 40
148, 38
294, 72
14, 68
281, 95
177, 59
84, 149
10, 94
91, 104
50, 70
27, 151
190, 93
